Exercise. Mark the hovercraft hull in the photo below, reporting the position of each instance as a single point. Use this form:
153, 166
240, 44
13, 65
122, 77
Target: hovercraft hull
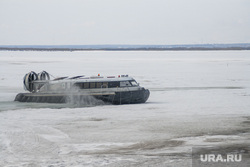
128, 97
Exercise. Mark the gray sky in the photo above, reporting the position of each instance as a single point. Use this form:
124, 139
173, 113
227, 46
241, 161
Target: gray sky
83, 22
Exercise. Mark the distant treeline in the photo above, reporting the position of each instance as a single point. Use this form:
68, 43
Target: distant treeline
239, 46
125, 49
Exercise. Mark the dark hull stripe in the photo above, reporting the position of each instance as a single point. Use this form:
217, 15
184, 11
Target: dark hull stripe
129, 97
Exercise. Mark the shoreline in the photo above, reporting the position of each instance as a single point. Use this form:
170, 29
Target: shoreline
126, 49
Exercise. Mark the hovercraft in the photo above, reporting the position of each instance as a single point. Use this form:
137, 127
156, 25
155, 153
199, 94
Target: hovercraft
120, 89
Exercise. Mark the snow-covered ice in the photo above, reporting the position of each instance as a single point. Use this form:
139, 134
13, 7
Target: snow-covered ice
198, 99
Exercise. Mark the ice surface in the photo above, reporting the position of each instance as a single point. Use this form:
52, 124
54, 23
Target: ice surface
198, 98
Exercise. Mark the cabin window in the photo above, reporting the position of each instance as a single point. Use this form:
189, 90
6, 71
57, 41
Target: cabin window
105, 85
113, 84
79, 85
86, 85
98, 84
125, 83
92, 85
133, 83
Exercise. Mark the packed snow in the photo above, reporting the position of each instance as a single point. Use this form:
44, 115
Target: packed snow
198, 99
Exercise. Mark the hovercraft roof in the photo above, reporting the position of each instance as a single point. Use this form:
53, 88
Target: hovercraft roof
98, 78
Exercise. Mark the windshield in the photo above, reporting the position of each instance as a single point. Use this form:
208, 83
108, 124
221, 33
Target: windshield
133, 83
125, 83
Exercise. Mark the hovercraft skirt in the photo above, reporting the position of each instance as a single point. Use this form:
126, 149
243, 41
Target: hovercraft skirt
129, 97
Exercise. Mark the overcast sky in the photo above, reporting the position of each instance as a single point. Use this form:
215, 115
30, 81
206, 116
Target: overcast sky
83, 22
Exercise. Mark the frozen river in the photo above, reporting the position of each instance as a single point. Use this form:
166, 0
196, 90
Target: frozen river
198, 99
